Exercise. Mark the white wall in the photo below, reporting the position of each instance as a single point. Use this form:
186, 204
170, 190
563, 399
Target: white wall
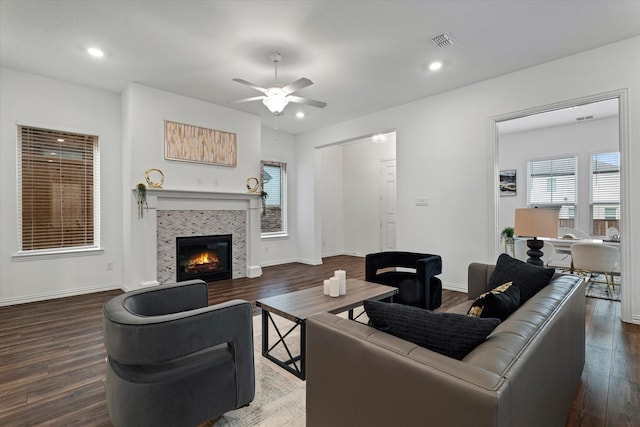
445, 151
280, 147
144, 110
578, 139
40, 101
331, 187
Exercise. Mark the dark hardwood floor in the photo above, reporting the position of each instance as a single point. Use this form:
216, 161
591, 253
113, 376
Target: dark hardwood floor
52, 357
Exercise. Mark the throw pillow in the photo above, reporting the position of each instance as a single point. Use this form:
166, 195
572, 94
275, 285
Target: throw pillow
453, 335
528, 277
499, 302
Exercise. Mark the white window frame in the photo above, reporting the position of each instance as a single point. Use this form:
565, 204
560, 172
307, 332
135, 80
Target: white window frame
283, 232
64, 252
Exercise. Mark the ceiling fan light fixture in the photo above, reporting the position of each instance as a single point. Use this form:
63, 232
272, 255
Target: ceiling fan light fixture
275, 103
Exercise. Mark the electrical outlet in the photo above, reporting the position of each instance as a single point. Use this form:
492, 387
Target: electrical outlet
109, 265
422, 201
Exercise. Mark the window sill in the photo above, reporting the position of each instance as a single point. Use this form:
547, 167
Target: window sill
278, 235
55, 254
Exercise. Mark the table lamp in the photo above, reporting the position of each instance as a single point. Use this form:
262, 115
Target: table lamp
536, 222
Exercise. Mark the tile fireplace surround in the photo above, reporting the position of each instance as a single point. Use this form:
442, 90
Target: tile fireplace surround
177, 213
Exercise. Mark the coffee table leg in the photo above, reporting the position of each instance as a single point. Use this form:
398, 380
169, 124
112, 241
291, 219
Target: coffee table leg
265, 332
291, 364
303, 350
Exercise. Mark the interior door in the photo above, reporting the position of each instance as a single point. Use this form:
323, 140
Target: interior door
388, 205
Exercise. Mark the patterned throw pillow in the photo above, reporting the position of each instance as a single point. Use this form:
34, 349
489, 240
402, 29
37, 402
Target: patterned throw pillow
529, 278
499, 302
453, 335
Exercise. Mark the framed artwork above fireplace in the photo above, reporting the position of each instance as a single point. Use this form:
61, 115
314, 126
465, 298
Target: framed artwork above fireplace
190, 143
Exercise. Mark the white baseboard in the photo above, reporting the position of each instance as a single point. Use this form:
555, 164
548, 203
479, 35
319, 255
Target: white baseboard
60, 294
279, 262
455, 287
254, 271
310, 261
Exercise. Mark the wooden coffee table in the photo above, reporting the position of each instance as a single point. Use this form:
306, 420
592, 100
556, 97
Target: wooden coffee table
300, 305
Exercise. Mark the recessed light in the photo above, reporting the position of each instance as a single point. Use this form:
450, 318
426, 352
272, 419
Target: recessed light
300, 115
95, 52
435, 66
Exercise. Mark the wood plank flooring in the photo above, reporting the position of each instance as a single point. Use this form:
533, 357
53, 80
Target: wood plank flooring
52, 367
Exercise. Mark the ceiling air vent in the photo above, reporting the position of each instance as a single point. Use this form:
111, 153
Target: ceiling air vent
442, 40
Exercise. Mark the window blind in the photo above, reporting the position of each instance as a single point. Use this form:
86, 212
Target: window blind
57, 189
552, 182
273, 184
605, 178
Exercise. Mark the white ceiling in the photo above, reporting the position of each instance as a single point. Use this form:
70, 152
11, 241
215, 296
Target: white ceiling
363, 56
570, 115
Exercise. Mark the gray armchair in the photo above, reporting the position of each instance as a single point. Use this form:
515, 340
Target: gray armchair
173, 360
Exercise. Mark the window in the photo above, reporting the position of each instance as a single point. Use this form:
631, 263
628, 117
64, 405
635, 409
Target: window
274, 209
605, 192
552, 183
57, 190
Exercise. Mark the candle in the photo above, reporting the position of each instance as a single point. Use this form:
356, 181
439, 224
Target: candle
326, 287
341, 275
334, 287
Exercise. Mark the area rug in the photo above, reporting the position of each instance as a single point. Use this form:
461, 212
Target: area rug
280, 396
597, 289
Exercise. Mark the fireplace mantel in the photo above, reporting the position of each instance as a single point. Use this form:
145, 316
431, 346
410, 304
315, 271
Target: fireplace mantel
156, 194
180, 199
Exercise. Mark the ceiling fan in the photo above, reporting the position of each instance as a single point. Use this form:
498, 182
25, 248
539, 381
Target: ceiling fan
276, 97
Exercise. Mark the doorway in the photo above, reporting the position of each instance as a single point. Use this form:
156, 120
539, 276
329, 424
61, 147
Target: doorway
551, 131
352, 193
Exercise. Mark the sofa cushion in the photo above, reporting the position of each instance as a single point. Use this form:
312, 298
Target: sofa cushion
529, 278
499, 302
453, 335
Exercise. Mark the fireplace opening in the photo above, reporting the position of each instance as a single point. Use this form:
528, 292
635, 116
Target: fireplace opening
204, 257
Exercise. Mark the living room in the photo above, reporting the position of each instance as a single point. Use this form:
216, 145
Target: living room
445, 151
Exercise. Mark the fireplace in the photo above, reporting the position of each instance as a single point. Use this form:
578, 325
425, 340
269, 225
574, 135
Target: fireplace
203, 257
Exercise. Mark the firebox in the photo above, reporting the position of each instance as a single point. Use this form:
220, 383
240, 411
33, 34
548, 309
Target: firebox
204, 257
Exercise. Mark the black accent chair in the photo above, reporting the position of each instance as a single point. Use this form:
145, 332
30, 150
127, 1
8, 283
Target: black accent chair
172, 360
419, 289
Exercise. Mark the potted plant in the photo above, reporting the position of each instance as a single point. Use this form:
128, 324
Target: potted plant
263, 196
507, 236
141, 199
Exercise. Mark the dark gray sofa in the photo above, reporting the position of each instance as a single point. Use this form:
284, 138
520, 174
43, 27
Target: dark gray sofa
525, 374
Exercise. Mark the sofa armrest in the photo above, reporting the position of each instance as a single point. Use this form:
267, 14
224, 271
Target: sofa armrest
478, 279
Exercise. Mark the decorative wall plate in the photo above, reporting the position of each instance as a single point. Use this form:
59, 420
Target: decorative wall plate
252, 184
154, 178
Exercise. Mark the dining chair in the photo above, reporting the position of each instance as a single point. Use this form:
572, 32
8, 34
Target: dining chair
572, 233
596, 258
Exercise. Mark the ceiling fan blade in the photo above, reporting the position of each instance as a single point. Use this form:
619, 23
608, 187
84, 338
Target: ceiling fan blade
305, 101
253, 98
246, 83
297, 85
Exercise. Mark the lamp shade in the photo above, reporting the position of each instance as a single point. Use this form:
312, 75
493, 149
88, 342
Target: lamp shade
536, 222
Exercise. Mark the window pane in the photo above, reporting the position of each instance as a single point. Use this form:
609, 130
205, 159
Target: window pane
552, 182
605, 192
274, 183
